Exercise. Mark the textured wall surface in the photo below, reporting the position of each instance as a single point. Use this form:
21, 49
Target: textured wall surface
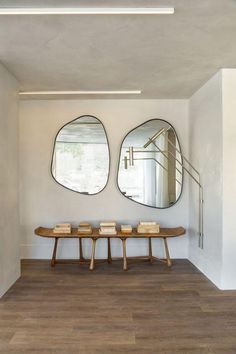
9, 220
229, 178
44, 202
206, 155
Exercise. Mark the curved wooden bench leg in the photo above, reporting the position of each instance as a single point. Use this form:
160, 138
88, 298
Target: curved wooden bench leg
53, 261
168, 260
109, 259
150, 249
81, 256
91, 267
125, 266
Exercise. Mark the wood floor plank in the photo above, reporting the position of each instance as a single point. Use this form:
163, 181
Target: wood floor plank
150, 309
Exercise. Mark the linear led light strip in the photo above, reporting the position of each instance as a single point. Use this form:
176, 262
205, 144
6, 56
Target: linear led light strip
87, 11
26, 93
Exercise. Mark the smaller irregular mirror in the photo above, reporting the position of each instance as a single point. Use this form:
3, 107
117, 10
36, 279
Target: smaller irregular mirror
80, 159
150, 167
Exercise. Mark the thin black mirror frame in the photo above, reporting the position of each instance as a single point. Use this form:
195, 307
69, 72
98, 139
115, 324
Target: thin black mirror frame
109, 155
117, 177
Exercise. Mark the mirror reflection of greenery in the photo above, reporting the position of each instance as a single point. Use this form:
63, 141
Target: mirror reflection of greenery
81, 156
73, 148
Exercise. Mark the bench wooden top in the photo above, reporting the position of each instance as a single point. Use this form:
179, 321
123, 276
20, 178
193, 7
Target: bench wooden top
164, 232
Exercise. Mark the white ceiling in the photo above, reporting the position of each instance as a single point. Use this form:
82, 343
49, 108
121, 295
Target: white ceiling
167, 56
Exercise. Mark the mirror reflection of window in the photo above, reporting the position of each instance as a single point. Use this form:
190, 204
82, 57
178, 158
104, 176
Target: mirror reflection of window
81, 156
150, 170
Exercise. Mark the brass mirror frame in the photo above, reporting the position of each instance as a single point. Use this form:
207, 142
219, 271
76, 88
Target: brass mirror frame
117, 177
109, 155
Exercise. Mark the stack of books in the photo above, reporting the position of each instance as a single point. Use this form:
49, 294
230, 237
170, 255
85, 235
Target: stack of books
148, 227
107, 228
84, 228
126, 229
62, 229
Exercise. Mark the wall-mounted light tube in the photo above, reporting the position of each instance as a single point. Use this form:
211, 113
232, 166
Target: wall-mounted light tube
126, 162
201, 225
87, 11
104, 92
184, 158
198, 181
153, 159
131, 156
154, 137
146, 151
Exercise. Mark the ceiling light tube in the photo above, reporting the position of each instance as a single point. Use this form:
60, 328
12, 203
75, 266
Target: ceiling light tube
87, 11
42, 93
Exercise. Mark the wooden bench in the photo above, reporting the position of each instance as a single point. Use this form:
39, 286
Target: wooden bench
164, 234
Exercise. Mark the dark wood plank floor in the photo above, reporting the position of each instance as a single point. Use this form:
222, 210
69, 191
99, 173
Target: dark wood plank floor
149, 309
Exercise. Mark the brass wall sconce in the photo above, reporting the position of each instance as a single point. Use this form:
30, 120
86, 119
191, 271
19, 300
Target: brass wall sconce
185, 164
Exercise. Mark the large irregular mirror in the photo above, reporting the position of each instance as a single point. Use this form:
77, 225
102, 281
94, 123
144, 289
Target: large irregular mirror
80, 159
150, 168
